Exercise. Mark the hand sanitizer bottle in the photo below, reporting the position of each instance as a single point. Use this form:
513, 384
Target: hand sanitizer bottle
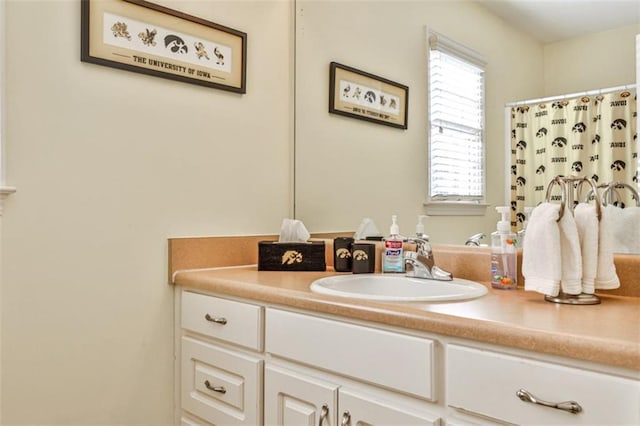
392, 255
504, 270
420, 228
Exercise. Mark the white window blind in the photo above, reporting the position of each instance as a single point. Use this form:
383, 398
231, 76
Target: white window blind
456, 120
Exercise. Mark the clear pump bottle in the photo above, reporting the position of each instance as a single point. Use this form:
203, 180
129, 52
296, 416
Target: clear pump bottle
420, 228
392, 255
504, 272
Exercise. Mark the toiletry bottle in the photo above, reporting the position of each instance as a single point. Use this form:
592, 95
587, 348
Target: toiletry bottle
392, 257
420, 228
503, 253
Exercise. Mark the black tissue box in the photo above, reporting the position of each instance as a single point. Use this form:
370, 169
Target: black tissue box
275, 256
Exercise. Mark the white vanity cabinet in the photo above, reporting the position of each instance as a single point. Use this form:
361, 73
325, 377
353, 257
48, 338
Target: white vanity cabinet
525, 390
220, 361
292, 398
395, 364
388, 359
240, 362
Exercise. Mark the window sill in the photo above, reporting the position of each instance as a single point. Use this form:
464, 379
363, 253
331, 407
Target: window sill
446, 208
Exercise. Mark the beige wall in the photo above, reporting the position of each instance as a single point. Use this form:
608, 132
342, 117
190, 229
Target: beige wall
348, 169
108, 164
597, 61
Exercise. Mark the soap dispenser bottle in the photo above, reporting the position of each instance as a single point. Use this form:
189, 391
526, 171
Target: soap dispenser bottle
504, 271
392, 255
420, 228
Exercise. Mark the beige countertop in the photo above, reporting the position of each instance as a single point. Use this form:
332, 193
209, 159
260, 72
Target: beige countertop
608, 333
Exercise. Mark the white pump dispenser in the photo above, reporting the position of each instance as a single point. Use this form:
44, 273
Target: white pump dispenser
392, 255
504, 225
394, 229
420, 227
503, 253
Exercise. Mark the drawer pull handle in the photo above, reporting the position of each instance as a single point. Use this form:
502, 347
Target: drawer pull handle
570, 406
220, 320
219, 389
346, 419
324, 414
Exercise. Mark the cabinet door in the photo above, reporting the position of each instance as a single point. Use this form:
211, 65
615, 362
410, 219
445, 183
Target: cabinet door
295, 399
358, 409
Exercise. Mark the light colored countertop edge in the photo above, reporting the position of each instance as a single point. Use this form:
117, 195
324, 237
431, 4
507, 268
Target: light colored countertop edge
605, 334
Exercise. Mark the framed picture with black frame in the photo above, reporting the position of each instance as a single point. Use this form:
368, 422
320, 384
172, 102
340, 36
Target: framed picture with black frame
143, 37
362, 95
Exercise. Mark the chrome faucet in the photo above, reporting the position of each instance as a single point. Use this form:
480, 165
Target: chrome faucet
474, 240
420, 263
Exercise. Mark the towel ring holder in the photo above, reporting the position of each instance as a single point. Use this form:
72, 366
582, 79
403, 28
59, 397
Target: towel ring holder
567, 196
566, 184
593, 189
590, 195
619, 185
557, 181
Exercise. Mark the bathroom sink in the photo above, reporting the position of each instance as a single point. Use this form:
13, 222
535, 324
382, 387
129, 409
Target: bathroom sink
397, 288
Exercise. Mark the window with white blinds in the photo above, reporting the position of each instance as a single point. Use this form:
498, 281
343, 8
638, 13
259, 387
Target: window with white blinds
456, 122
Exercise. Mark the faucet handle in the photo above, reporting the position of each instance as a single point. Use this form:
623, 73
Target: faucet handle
423, 246
410, 255
474, 240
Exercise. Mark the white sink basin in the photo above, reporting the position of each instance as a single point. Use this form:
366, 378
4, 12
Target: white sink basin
398, 288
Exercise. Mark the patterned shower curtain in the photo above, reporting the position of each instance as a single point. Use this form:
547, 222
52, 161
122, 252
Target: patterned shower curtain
593, 136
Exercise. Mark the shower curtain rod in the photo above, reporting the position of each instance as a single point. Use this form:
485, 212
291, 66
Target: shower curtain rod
572, 95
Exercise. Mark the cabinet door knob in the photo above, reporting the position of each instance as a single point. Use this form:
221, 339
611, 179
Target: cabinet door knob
324, 414
219, 389
570, 406
220, 320
346, 419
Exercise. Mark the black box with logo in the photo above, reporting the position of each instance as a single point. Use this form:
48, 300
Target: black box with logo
275, 256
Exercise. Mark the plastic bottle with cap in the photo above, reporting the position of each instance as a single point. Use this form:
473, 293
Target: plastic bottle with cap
420, 228
504, 272
392, 254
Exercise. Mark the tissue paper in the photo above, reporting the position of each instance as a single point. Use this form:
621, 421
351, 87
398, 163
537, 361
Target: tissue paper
366, 229
293, 231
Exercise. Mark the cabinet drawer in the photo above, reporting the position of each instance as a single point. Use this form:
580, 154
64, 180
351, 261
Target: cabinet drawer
392, 360
486, 383
234, 322
219, 385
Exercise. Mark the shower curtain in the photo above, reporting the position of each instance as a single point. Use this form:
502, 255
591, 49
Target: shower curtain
593, 136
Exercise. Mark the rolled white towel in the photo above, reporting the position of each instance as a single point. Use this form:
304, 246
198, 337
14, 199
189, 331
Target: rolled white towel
586, 218
571, 281
541, 256
606, 277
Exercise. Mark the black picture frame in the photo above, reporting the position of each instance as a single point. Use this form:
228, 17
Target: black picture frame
143, 37
358, 94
